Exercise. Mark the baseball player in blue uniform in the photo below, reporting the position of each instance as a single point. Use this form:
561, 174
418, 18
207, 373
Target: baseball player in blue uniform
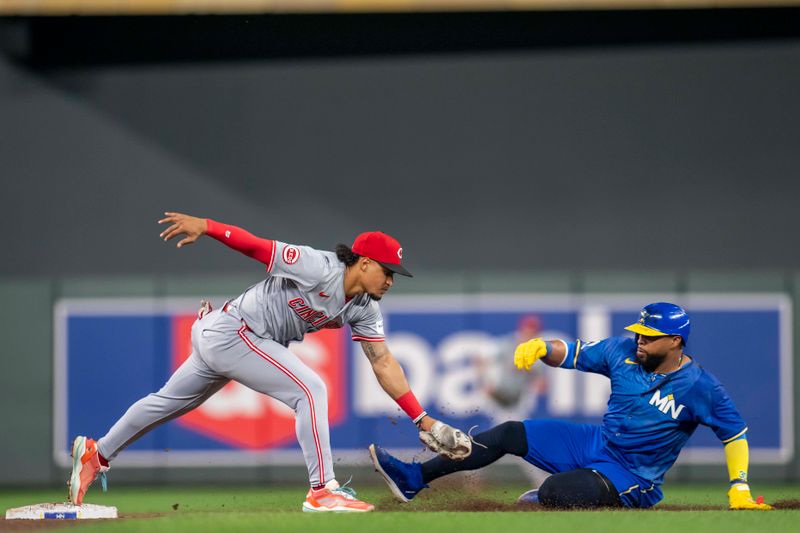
247, 340
659, 395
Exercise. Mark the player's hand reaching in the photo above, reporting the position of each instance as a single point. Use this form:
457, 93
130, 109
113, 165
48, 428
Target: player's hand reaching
528, 353
739, 498
190, 226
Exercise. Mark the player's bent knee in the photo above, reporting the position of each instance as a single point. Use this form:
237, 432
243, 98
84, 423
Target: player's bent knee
582, 488
313, 394
317, 387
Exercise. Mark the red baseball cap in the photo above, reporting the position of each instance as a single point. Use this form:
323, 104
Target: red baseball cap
382, 248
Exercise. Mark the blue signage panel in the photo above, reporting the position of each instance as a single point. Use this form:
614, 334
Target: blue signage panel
457, 354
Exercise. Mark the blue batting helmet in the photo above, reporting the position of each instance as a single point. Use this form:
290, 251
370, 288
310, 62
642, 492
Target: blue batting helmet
660, 319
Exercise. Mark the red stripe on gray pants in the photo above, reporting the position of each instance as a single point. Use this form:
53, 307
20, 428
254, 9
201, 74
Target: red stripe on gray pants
302, 386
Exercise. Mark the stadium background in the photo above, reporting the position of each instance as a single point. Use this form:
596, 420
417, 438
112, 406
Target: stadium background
548, 151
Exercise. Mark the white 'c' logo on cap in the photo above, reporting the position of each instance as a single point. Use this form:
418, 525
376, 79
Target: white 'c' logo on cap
400, 253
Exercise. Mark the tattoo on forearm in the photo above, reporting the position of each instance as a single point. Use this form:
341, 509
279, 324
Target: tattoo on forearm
372, 353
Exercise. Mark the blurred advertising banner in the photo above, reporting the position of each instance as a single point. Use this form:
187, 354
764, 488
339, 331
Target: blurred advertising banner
457, 354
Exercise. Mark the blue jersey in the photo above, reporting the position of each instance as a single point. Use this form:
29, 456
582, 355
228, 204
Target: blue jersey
650, 416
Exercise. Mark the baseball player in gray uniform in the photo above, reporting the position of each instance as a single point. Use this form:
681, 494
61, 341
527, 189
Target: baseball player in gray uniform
246, 340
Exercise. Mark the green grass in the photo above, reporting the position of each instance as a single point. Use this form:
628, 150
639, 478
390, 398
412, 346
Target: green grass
277, 509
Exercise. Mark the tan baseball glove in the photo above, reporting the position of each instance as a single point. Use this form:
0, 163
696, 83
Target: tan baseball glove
447, 441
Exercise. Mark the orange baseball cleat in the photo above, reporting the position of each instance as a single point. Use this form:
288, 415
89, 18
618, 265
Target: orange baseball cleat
336, 499
85, 468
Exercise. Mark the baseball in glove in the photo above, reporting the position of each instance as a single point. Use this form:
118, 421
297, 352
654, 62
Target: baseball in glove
447, 441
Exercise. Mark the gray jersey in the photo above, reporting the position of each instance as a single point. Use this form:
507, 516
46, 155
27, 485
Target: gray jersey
305, 292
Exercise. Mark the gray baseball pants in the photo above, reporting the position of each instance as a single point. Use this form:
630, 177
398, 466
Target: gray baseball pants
224, 349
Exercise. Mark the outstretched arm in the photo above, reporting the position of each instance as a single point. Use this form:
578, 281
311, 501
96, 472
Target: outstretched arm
436, 435
193, 228
392, 379
737, 455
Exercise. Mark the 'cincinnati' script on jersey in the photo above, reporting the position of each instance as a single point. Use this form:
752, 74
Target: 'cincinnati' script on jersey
312, 316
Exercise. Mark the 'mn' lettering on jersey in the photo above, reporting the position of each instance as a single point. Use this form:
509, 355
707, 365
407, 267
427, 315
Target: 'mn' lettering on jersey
666, 404
650, 416
304, 292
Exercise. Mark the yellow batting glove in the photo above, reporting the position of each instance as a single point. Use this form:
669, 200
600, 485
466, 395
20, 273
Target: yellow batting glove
739, 497
528, 353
